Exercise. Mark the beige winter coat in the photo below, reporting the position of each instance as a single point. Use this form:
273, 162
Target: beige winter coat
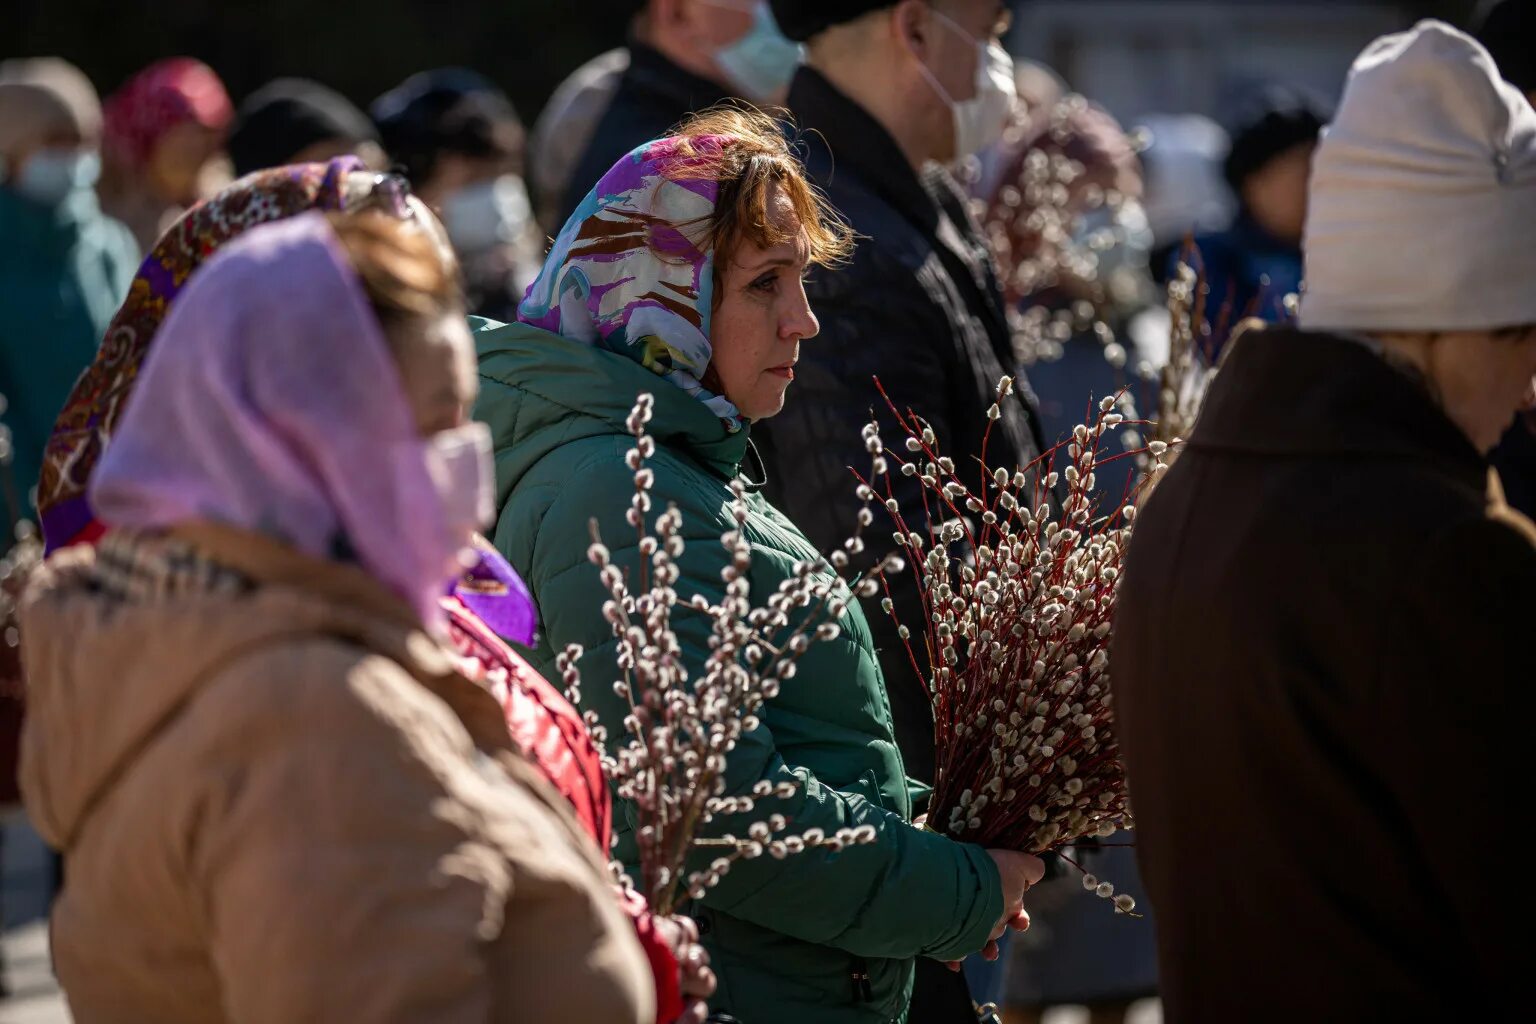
279, 802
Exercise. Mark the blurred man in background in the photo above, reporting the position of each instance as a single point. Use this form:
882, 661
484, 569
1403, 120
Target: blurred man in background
684, 56
295, 121
64, 265
1253, 265
564, 130
163, 145
890, 92
460, 142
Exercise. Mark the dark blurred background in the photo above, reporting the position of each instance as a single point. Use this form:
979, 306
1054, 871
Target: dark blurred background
525, 46
1133, 56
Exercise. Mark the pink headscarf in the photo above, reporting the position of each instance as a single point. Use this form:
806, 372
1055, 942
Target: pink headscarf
165, 94
270, 402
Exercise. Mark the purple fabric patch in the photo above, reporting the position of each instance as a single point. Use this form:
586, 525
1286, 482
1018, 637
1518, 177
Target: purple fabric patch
494, 591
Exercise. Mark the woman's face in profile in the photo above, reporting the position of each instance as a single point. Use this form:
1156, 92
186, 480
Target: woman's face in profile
435, 355
762, 316
436, 359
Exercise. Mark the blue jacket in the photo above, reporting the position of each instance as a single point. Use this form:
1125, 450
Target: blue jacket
1248, 272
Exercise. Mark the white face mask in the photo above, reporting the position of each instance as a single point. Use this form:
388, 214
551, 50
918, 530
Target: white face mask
463, 473
51, 176
487, 215
762, 62
981, 120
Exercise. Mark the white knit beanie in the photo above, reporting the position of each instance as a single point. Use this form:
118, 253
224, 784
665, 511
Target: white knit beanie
1422, 210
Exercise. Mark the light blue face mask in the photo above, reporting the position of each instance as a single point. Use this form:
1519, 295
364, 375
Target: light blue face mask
762, 62
51, 176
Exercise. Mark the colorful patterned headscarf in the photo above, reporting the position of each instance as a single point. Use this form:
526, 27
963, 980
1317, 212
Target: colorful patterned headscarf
85, 426
630, 271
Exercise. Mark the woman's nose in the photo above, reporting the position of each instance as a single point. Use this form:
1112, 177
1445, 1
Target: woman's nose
802, 323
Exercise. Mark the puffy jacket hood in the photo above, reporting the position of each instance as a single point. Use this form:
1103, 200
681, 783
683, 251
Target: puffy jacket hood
564, 391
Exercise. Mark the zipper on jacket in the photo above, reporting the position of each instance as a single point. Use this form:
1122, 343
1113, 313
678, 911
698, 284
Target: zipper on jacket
862, 991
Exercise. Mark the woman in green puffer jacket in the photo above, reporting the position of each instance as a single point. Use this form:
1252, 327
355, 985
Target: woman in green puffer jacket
680, 276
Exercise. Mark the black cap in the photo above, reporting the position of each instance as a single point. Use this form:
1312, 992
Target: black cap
450, 110
1275, 120
287, 116
802, 19
1507, 30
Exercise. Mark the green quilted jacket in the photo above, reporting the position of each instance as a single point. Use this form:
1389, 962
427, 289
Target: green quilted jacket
813, 939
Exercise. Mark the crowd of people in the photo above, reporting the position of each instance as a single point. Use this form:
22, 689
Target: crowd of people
314, 407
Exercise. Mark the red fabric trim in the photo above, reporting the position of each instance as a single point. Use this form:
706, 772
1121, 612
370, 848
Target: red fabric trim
542, 722
664, 966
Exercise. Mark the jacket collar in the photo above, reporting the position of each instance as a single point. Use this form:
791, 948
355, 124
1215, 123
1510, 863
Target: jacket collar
598, 389
354, 604
860, 146
1284, 391
653, 71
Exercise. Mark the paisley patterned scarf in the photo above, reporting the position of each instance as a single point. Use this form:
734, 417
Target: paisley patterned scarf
83, 429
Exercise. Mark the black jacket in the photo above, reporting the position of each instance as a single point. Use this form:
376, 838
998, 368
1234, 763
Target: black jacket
1322, 674
652, 97
919, 307
1515, 459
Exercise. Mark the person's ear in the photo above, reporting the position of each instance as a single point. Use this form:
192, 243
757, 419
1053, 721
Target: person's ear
667, 14
911, 25
686, 15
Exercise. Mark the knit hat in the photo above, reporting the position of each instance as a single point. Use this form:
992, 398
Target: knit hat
450, 110
287, 116
802, 19
1423, 193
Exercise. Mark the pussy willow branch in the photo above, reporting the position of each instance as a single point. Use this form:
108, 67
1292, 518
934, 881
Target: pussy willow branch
1019, 600
680, 731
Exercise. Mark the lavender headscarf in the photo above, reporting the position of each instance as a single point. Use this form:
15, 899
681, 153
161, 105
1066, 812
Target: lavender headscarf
628, 273
270, 402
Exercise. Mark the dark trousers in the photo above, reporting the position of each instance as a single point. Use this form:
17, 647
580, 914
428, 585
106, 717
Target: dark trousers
940, 996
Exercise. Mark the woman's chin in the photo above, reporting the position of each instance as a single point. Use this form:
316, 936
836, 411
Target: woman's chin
767, 405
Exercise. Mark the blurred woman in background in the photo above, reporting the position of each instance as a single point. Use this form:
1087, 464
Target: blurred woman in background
64, 265
296, 121
163, 145
460, 142
1250, 268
